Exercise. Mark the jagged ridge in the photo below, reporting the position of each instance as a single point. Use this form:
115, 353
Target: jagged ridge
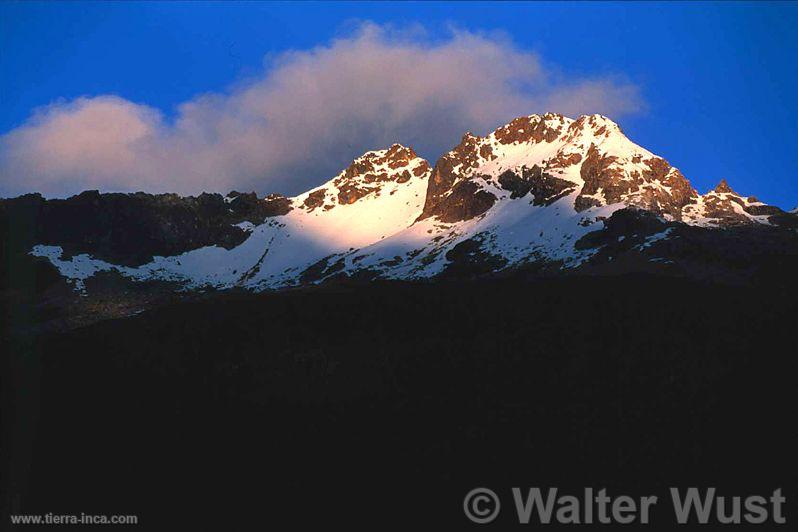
528, 193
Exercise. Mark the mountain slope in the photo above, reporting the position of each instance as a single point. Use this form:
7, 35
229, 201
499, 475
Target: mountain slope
528, 193
380, 193
543, 193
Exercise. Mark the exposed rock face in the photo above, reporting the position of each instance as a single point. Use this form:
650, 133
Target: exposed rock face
723, 188
453, 165
615, 170
659, 187
677, 192
754, 207
723, 207
363, 176
564, 161
464, 202
598, 174
315, 199
518, 185
590, 154
130, 229
530, 129
464, 162
632, 223
273, 204
545, 188
367, 175
634, 240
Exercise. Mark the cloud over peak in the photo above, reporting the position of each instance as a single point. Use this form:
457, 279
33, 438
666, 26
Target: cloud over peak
305, 117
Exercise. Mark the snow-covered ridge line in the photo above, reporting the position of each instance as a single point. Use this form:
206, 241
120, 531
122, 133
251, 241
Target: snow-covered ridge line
525, 193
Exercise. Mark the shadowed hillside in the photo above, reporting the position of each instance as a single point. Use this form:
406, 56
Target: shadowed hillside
382, 406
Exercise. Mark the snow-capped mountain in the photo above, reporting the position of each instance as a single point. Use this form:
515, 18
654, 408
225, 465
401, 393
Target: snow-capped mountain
541, 192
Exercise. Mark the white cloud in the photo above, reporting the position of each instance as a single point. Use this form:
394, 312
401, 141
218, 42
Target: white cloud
302, 120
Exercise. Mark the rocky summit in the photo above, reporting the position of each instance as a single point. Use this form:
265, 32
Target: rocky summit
542, 195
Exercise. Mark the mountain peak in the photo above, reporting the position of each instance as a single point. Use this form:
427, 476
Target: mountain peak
381, 165
549, 127
367, 175
596, 118
599, 124
723, 207
724, 188
395, 151
532, 129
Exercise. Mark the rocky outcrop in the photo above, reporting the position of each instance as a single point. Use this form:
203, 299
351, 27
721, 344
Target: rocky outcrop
724, 188
674, 193
130, 229
545, 188
367, 175
625, 225
785, 219
451, 166
598, 174
465, 201
314, 200
637, 241
723, 207
271, 205
531, 129
562, 160
463, 163
659, 187
518, 185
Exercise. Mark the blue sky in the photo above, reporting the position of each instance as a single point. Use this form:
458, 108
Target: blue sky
709, 86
